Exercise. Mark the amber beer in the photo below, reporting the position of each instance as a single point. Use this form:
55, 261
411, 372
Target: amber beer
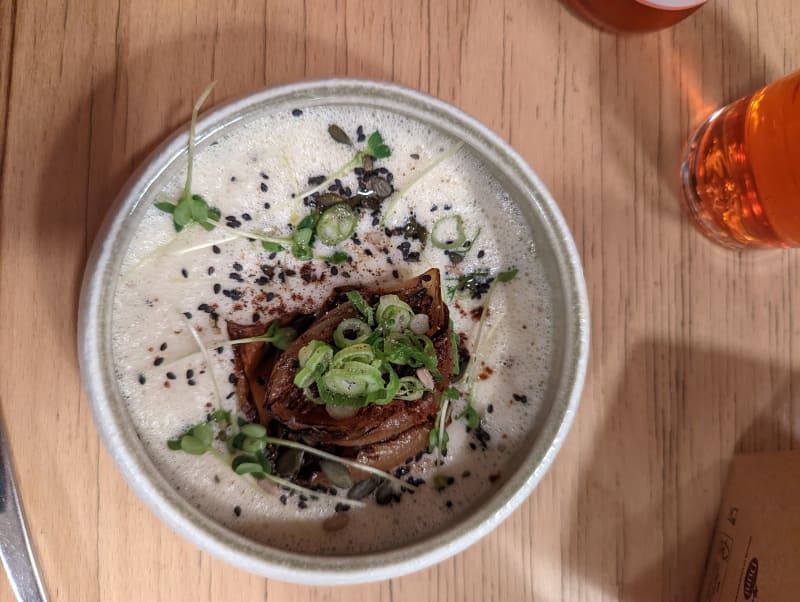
635, 15
741, 173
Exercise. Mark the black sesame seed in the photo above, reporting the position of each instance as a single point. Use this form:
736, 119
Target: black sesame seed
368, 252
270, 296
340, 507
231, 394
264, 187
237, 510
217, 288
158, 361
472, 446
266, 205
233, 178
256, 317
481, 253
302, 505
163, 347
297, 112
283, 499
449, 504
189, 373
426, 277
235, 276
490, 408
237, 266
171, 375
290, 273
264, 176
210, 270
187, 315
334, 270
142, 379
184, 272
395, 273
448, 207
246, 217
191, 382
232, 378
216, 249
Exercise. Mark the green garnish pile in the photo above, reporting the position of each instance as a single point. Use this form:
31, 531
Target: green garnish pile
360, 366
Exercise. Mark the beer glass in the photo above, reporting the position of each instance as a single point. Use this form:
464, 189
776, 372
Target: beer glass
741, 171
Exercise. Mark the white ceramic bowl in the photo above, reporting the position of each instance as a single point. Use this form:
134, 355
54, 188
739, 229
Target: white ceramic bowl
555, 249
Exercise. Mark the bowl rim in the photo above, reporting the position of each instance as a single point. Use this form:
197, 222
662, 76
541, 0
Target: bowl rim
115, 425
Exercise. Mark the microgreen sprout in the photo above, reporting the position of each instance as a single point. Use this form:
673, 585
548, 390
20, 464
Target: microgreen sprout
247, 451
419, 175
276, 335
475, 282
438, 437
376, 149
191, 208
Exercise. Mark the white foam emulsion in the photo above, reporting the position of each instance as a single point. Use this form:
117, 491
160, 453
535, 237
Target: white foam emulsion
258, 173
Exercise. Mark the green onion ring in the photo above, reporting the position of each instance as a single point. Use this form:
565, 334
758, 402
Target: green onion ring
438, 239
360, 327
336, 224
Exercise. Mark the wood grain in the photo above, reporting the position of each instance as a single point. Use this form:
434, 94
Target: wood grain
695, 349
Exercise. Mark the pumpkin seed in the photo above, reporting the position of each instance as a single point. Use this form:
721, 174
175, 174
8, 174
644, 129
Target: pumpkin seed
338, 474
363, 488
339, 135
289, 462
329, 198
380, 186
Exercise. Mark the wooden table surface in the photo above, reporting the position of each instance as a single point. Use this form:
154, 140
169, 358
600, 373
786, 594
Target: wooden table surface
695, 352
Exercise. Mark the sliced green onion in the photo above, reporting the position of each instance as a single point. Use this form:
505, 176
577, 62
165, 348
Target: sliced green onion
393, 313
390, 392
315, 365
411, 388
360, 352
336, 224
448, 233
387, 301
307, 350
353, 379
396, 318
363, 308
343, 335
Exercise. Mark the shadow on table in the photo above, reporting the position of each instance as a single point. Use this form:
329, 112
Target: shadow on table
653, 485
117, 115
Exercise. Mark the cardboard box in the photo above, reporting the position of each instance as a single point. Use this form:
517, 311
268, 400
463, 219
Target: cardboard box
755, 553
